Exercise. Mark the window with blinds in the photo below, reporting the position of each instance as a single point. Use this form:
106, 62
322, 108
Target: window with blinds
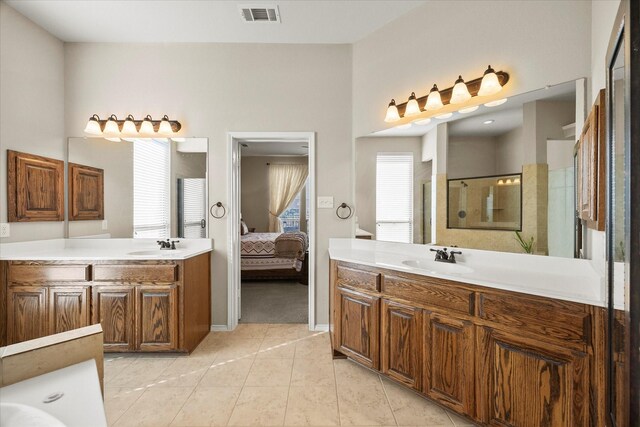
151, 188
394, 197
192, 209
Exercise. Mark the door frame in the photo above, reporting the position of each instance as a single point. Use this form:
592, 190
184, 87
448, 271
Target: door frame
233, 219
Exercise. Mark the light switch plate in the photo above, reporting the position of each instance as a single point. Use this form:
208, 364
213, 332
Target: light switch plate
105, 224
5, 231
325, 202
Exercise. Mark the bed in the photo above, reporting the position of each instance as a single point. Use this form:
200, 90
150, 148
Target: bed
275, 256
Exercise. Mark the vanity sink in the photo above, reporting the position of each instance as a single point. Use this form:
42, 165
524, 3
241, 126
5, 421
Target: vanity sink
438, 267
19, 415
154, 253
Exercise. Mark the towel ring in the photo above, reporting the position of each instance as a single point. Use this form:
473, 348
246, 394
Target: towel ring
343, 206
218, 205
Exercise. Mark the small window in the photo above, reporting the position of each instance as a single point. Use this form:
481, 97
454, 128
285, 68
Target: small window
151, 171
394, 197
291, 216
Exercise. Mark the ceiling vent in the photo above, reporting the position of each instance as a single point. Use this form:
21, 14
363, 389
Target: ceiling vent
259, 13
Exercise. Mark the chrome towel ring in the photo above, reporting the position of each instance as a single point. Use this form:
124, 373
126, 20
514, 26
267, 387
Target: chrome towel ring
344, 206
217, 205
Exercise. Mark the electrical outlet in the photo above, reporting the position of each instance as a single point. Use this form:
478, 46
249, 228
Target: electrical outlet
325, 202
105, 224
5, 231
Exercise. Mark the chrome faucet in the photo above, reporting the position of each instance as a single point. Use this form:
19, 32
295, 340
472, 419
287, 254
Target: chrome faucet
168, 244
443, 256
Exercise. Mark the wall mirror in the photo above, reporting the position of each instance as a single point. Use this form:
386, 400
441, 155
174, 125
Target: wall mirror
418, 184
153, 187
485, 203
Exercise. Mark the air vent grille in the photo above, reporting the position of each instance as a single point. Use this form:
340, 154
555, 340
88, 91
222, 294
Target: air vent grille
260, 13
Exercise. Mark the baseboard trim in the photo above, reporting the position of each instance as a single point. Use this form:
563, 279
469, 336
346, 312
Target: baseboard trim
321, 327
219, 328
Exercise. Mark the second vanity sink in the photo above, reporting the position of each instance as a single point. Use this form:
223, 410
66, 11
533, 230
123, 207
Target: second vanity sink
154, 253
438, 267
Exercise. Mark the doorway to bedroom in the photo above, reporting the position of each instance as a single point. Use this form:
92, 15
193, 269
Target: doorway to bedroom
274, 191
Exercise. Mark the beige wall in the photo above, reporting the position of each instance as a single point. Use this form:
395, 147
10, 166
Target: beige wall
366, 152
218, 88
255, 188
471, 156
116, 159
436, 42
31, 106
509, 154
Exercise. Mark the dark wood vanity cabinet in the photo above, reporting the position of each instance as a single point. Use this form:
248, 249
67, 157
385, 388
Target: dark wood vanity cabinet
143, 306
500, 358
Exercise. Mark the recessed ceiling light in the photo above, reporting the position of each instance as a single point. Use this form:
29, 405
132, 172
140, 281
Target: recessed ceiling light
444, 116
422, 122
468, 109
496, 103
405, 126
488, 122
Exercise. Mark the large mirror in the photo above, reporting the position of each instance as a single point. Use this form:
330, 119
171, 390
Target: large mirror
153, 187
475, 179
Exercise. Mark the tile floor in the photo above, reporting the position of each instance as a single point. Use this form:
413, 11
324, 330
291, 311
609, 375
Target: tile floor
259, 375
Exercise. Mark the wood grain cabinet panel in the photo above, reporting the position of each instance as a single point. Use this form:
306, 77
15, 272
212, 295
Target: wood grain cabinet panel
449, 361
35, 188
68, 308
530, 384
157, 317
358, 330
113, 307
142, 273
429, 291
26, 313
86, 192
401, 344
358, 278
36, 273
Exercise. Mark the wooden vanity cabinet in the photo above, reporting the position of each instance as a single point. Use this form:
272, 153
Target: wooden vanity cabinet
500, 358
143, 306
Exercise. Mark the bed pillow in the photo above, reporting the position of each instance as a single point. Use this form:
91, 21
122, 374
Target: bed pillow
243, 228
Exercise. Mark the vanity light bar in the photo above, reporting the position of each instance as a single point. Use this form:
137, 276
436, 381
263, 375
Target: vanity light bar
114, 127
489, 84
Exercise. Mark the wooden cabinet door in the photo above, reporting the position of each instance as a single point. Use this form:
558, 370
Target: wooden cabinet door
401, 347
85, 192
68, 308
26, 313
157, 317
449, 364
522, 382
357, 326
113, 307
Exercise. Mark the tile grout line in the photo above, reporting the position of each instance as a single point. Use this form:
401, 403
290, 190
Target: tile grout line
335, 384
386, 396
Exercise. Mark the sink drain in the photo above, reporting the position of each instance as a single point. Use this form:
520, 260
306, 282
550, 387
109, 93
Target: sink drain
53, 397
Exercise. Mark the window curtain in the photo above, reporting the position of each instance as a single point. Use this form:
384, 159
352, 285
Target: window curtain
285, 182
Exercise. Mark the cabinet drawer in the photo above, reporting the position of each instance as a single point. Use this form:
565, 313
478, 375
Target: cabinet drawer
34, 273
135, 273
356, 278
560, 320
429, 292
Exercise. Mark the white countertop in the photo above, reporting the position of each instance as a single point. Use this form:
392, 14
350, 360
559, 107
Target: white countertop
81, 404
562, 278
102, 249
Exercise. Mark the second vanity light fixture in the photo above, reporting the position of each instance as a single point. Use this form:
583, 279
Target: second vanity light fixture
113, 128
461, 92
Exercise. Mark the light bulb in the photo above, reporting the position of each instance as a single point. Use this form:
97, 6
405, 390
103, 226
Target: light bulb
422, 122
508, 181
147, 125
165, 126
129, 126
111, 127
468, 109
460, 92
490, 84
392, 112
516, 181
434, 101
496, 103
444, 116
412, 108
500, 182
93, 126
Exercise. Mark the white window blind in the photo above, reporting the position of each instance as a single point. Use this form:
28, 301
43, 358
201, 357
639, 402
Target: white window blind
394, 197
193, 208
151, 194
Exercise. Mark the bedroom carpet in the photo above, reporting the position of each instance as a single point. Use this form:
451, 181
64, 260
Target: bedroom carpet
274, 302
